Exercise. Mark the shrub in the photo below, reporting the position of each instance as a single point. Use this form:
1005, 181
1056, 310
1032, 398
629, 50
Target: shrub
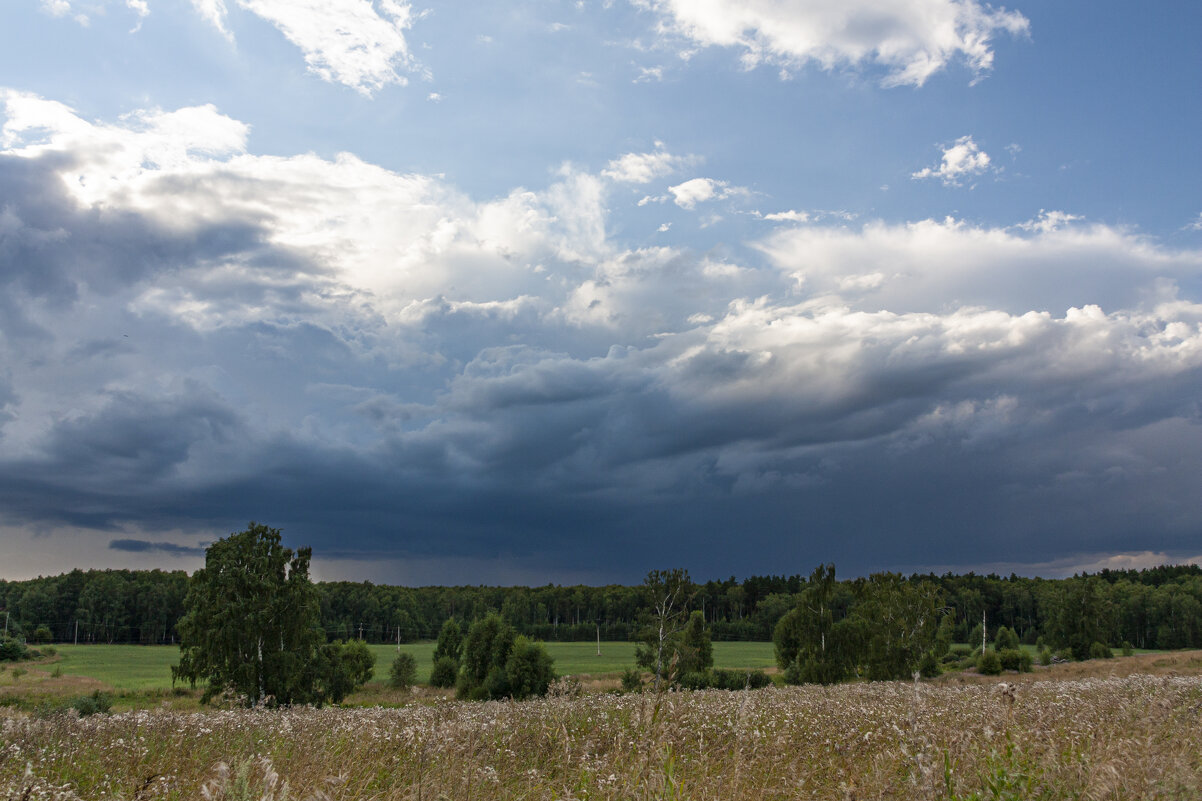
928, 666
632, 680
1005, 640
445, 672
1045, 656
1127, 649
1064, 655
96, 703
961, 651
403, 673
12, 650
740, 679
1009, 657
1100, 651
989, 664
529, 669
42, 634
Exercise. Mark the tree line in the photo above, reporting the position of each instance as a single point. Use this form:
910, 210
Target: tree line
1155, 608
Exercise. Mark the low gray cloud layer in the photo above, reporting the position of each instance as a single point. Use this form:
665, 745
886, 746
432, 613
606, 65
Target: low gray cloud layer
195, 336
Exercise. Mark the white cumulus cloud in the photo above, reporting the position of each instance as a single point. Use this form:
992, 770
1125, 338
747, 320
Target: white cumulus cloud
962, 160
912, 39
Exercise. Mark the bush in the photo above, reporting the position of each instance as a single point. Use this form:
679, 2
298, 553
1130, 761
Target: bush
740, 679
928, 666
96, 703
1128, 650
529, 669
1009, 657
989, 664
12, 650
346, 666
961, 651
403, 673
1016, 659
1100, 651
1045, 656
445, 672
632, 680
1005, 640
1064, 655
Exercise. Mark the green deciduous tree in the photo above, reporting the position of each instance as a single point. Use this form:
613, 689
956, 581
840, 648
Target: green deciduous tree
252, 626
485, 652
450, 642
403, 673
810, 646
529, 670
667, 594
897, 620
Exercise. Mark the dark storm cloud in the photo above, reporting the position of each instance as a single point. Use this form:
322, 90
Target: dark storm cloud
387, 370
146, 546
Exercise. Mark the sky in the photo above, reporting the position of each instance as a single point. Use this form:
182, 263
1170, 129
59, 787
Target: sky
548, 291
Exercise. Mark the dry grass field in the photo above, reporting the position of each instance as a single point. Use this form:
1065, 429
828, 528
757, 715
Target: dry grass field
1114, 729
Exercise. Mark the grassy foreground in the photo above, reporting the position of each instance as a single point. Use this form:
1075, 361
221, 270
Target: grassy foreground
1132, 737
148, 667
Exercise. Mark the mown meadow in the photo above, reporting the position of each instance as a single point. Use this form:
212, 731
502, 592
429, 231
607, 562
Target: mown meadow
148, 667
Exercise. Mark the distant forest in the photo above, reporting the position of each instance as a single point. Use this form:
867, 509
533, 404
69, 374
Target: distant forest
1156, 608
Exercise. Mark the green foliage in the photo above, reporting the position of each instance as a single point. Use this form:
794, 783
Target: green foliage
666, 594
1079, 616
529, 669
1015, 659
989, 664
1005, 639
696, 650
97, 703
1127, 649
403, 673
485, 654
343, 667
12, 650
41, 635
724, 679
944, 635
444, 673
896, 621
1045, 656
810, 646
1100, 650
632, 680
252, 626
928, 666
450, 642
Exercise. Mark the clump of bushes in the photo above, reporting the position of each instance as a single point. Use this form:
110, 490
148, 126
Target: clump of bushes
1100, 650
96, 703
1128, 650
725, 680
989, 664
13, 650
498, 663
1016, 659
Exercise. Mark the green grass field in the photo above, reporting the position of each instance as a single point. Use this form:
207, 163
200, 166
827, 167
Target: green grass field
148, 667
